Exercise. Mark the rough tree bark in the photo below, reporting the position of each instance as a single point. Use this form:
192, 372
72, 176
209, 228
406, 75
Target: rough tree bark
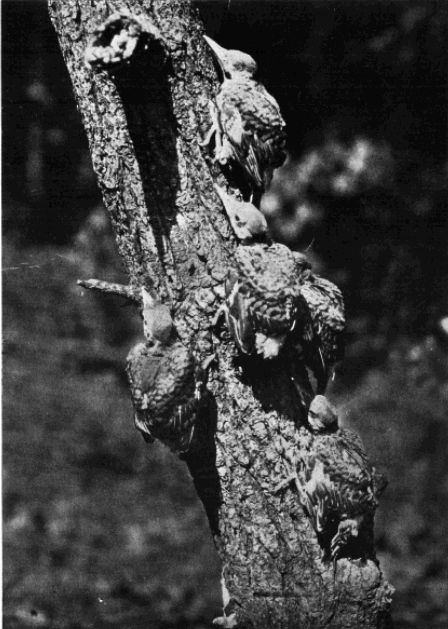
143, 122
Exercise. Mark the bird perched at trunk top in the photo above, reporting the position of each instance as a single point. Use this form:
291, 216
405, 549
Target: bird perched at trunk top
326, 306
167, 385
338, 486
246, 120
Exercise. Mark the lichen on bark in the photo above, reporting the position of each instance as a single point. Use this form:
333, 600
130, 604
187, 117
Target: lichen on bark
144, 119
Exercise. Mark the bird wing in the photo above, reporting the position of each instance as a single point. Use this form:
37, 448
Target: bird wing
142, 425
353, 447
237, 313
305, 333
252, 122
241, 139
322, 500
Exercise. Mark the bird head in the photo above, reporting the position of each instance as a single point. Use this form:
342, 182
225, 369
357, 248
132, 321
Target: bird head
233, 63
247, 221
322, 416
157, 320
301, 261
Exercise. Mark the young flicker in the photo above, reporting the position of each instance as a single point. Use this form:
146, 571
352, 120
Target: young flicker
326, 307
337, 485
166, 384
246, 220
246, 121
263, 299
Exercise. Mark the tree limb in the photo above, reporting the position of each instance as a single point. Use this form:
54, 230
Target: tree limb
143, 95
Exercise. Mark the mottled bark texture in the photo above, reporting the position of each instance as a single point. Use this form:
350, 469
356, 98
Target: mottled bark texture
144, 120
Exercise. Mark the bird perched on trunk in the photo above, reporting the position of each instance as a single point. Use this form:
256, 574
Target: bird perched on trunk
340, 487
263, 299
272, 295
167, 386
246, 120
326, 306
337, 485
247, 222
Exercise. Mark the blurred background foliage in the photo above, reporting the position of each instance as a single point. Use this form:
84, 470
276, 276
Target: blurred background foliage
102, 531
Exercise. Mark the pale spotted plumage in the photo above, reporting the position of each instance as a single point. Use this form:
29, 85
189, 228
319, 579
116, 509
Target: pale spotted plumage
263, 299
165, 393
247, 123
166, 384
339, 490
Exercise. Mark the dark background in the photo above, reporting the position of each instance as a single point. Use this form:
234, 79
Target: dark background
103, 531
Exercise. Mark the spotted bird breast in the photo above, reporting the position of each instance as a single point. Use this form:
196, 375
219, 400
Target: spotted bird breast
251, 120
262, 292
339, 465
161, 380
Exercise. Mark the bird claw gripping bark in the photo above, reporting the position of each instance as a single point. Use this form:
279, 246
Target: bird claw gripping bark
246, 120
227, 622
167, 384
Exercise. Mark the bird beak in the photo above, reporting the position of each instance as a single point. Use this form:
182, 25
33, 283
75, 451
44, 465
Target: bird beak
219, 52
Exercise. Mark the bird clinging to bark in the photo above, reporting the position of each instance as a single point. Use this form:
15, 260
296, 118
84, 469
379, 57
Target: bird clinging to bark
273, 298
326, 306
338, 486
246, 120
167, 385
246, 220
263, 299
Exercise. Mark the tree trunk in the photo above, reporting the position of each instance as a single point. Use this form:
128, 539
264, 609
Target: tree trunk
144, 119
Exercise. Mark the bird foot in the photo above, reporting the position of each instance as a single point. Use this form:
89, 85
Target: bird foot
269, 346
202, 375
208, 138
214, 129
346, 529
223, 154
228, 622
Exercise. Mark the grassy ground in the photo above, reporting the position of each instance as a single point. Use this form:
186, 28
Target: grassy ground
100, 530
103, 531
